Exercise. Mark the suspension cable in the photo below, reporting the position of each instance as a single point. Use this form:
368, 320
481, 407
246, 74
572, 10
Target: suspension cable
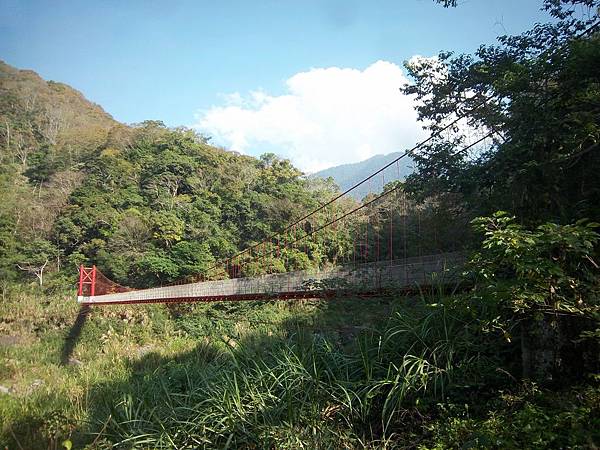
409, 152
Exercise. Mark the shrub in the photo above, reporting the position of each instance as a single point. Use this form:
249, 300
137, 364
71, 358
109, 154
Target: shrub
546, 280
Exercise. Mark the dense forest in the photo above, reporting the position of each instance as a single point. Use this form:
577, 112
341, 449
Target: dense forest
506, 357
146, 203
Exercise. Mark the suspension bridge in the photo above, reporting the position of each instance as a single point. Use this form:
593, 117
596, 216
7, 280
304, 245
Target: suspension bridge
371, 279
390, 251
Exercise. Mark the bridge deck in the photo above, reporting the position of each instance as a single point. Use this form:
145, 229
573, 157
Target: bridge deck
364, 279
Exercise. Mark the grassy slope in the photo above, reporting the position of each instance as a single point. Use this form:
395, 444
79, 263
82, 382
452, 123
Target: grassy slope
278, 374
119, 341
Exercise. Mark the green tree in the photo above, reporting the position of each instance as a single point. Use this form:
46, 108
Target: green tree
548, 283
155, 267
167, 228
537, 93
34, 258
193, 258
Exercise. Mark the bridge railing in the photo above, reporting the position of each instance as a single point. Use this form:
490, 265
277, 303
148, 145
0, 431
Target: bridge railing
366, 278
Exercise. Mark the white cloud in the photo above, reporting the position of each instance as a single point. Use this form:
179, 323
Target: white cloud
327, 116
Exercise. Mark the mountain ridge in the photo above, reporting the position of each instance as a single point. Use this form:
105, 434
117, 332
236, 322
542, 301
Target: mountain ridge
347, 175
37, 113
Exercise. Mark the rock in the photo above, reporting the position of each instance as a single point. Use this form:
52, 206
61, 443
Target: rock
73, 362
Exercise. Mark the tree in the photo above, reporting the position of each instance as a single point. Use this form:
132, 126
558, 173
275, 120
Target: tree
155, 266
193, 258
34, 257
536, 93
168, 228
547, 281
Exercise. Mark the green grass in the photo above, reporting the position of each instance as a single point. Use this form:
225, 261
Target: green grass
346, 373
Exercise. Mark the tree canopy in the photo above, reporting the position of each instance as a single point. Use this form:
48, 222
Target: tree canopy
146, 203
538, 93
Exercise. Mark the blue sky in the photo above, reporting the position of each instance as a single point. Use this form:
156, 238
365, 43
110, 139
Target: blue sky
209, 64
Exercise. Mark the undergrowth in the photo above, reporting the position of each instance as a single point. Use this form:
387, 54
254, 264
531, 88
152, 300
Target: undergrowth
421, 372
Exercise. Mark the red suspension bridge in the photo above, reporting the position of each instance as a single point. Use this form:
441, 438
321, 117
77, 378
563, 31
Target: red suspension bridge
390, 251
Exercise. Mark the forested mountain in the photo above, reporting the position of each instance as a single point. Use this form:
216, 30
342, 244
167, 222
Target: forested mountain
147, 203
347, 175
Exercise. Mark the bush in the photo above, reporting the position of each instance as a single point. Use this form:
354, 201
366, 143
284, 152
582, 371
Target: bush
547, 282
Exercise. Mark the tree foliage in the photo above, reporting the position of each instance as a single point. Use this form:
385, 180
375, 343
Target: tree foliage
148, 204
538, 93
549, 269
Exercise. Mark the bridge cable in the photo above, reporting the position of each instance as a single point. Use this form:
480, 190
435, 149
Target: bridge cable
384, 194
409, 152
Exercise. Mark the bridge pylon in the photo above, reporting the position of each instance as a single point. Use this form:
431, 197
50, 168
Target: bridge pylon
87, 281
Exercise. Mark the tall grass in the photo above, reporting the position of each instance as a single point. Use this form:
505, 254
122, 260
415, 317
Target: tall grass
303, 390
434, 372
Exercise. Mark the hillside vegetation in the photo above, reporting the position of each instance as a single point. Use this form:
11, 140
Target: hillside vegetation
508, 356
146, 203
47, 122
